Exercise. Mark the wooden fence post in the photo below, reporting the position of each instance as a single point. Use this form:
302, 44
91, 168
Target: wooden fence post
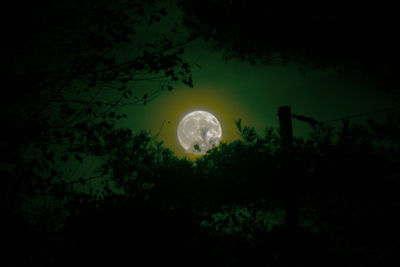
288, 174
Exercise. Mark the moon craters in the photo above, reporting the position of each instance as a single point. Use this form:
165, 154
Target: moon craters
199, 131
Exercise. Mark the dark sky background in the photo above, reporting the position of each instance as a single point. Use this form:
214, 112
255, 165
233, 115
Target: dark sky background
230, 89
233, 89
74, 71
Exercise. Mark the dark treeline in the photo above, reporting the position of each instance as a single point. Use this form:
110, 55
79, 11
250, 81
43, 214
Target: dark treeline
344, 184
347, 37
65, 77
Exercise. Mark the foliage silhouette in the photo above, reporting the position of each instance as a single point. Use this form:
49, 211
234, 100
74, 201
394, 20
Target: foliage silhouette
226, 208
344, 37
65, 80
220, 208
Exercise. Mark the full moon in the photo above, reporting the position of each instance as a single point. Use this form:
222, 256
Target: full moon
199, 131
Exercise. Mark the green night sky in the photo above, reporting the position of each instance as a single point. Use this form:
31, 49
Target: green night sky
94, 93
233, 89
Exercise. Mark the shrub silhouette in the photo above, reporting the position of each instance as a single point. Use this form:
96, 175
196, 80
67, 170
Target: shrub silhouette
215, 209
346, 196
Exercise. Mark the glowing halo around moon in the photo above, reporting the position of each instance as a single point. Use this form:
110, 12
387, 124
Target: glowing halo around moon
199, 131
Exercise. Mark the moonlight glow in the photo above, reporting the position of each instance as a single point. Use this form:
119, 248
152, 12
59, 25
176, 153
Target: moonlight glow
199, 131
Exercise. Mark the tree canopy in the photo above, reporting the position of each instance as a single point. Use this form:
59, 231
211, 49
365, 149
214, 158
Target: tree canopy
65, 79
228, 207
143, 203
345, 37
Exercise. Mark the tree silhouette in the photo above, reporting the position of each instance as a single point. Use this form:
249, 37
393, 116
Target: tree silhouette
227, 206
345, 37
65, 80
